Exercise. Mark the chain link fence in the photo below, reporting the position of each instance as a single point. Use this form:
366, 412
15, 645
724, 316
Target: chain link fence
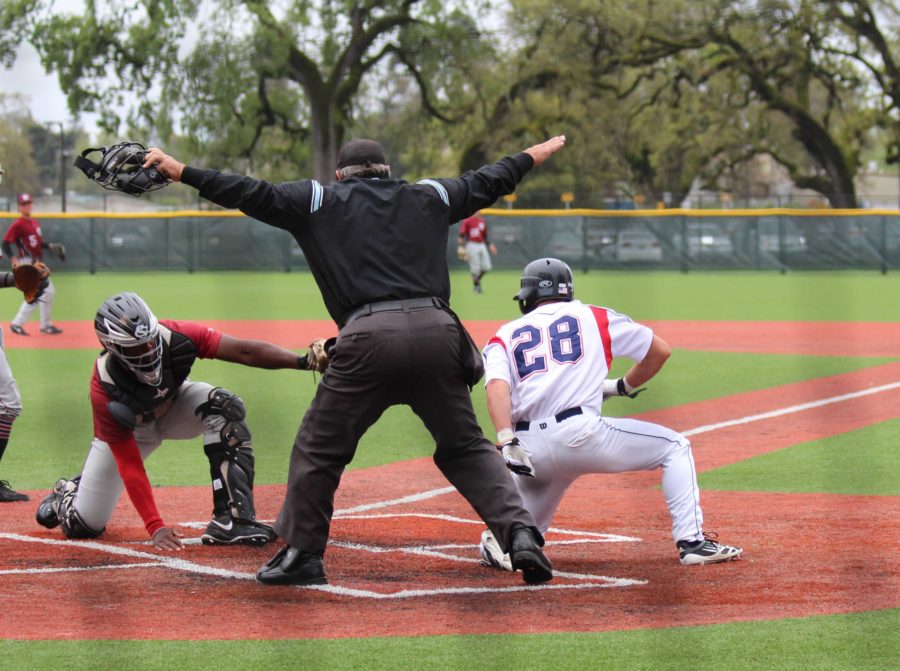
683, 240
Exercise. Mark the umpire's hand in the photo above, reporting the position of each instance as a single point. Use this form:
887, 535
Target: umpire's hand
168, 538
167, 166
541, 152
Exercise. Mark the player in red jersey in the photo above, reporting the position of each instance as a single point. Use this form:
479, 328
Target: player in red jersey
141, 396
23, 243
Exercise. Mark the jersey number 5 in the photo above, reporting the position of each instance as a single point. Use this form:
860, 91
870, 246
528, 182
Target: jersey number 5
565, 345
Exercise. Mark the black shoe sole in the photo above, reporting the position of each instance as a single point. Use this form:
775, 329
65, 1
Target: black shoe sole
534, 567
288, 580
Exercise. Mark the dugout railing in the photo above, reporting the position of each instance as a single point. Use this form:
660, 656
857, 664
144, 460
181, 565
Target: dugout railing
685, 240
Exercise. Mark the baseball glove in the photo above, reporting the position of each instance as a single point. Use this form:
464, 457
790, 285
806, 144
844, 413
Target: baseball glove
59, 249
461, 253
319, 355
32, 280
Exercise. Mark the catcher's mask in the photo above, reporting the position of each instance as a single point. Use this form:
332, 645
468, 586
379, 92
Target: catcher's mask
129, 331
544, 279
120, 168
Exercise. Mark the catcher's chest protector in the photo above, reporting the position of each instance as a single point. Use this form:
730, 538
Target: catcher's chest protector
179, 354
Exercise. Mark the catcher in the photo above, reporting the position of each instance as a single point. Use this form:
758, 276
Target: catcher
25, 234
141, 395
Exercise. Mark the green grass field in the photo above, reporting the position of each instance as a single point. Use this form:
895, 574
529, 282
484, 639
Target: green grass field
51, 439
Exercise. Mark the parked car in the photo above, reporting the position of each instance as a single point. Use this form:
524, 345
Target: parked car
794, 243
128, 237
706, 239
637, 245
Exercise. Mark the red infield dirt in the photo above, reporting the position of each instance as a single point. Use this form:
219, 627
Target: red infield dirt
408, 566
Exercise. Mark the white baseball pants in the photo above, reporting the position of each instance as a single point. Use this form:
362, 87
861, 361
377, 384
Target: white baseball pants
587, 443
45, 305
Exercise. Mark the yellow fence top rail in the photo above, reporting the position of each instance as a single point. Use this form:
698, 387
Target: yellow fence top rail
498, 212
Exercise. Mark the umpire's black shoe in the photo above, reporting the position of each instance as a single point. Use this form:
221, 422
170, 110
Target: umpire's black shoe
9, 495
293, 567
525, 551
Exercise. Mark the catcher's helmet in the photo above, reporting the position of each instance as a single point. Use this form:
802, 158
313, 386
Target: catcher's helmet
121, 168
544, 279
129, 331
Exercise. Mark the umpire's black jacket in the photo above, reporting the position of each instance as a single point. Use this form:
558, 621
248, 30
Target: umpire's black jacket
368, 240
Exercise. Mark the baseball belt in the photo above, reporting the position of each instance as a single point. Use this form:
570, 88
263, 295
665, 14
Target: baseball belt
523, 425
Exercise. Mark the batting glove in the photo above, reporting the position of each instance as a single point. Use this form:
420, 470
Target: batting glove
620, 388
516, 457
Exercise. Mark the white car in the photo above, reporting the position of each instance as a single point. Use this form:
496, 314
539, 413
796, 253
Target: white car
708, 239
638, 245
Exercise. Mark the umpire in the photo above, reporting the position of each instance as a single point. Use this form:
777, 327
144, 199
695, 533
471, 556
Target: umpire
377, 248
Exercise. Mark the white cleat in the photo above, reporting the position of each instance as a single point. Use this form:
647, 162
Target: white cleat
706, 551
491, 554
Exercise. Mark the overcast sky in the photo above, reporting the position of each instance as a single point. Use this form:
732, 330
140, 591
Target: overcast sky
47, 100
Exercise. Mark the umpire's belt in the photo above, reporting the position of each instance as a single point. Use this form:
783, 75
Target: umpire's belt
559, 417
404, 305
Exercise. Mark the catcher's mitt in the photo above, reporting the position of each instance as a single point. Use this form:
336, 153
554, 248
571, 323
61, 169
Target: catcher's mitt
32, 280
319, 355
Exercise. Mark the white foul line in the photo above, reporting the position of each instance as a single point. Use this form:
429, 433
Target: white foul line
412, 498
791, 409
589, 581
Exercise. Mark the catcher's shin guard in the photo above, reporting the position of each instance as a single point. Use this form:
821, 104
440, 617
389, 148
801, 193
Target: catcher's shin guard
228, 446
70, 521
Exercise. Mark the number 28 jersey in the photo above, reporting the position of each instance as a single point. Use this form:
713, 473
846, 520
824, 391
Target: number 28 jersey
557, 356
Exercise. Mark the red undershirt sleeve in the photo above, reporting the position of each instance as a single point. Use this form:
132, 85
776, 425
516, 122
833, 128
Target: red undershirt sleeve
131, 468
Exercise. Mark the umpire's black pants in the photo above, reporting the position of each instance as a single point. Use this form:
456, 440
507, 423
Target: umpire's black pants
384, 359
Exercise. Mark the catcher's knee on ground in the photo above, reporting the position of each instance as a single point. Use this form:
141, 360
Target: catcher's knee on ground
228, 446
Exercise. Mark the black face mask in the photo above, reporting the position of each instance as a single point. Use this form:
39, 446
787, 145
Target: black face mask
120, 168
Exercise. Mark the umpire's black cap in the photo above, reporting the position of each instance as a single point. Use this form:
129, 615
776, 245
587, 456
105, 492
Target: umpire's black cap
360, 152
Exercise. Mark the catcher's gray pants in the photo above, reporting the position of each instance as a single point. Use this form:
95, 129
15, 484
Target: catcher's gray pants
383, 359
101, 485
46, 308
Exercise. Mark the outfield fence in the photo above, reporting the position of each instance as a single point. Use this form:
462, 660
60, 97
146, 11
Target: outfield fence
770, 239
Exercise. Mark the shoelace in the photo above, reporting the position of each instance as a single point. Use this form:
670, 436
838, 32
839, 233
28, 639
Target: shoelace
709, 538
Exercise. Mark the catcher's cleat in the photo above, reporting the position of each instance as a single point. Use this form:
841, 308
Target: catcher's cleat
9, 495
527, 557
227, 530
47, 514
291, 566
491, 554
706, 551
51, 330
18, 330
